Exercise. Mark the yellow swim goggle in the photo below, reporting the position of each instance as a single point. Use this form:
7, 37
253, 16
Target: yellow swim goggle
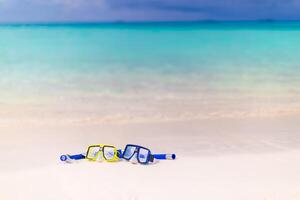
99, 152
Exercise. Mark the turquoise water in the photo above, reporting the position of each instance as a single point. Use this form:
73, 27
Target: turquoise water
165, 70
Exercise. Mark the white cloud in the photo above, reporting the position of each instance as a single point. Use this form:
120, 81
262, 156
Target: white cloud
73, 3
65, 3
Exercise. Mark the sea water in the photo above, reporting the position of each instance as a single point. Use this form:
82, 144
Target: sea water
142, 72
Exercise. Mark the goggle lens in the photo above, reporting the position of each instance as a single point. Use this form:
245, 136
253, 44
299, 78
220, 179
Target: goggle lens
143, 155
93, 152
129, 151
109, 153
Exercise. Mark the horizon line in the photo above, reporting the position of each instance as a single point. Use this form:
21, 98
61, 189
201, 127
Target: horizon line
138, 22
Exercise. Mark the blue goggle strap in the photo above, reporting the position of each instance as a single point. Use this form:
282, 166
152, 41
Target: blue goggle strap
67, 157
164, 156
119, 153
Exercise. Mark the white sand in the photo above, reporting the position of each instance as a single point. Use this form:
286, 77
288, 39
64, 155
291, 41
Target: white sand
269, 176
224, 159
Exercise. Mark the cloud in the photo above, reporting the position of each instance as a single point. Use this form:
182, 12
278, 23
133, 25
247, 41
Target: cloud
202, 5
74, 3
227, 9
99, 10
63, 3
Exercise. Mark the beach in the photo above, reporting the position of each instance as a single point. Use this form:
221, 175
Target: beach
228, 161
224, 97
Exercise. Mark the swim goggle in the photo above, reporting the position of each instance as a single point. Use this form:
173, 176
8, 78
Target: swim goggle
143, 155
110, 153
96, 152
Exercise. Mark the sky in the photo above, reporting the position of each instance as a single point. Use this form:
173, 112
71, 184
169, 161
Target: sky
146, 10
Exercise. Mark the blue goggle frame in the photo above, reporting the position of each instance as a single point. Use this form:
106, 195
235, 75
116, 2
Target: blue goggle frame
150, 157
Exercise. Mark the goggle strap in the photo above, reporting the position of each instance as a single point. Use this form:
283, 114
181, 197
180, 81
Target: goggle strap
77, 157
151, 158
119, 153
67, 157
165, 156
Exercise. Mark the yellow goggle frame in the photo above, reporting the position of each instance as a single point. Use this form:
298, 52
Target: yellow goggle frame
108, 152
